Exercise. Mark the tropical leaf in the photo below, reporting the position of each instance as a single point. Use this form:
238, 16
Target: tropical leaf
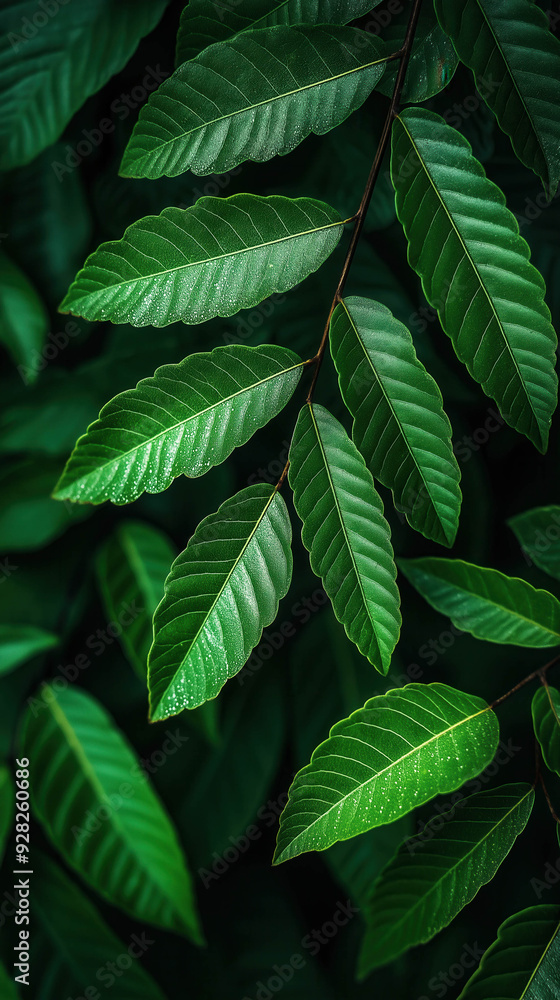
24, 322
345, 532
7, 798
19, 643
48, 70
78, 944
524, 961
516, 64
357, 863
485, 602
94, 800
220, 594
538, 533
546, 722
433, 876
255, 96
433, 59
213, 259
397, 752
203, 23
465, 245
132, 567
185, 419
399, 423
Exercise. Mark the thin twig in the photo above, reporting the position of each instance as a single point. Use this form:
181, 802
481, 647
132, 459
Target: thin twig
404, 55
536, 673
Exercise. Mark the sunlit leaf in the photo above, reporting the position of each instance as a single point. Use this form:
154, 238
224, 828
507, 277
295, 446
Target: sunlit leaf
397, 752
213, 259
185, 419
220, 594
346, 533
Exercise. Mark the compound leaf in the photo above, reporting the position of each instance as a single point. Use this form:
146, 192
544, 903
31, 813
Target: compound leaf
346, 533
465, 245
397, 752
221, 592
433, 876
185, 419
253, 97
516, 63
97, 807
485, 602
212, 259
524, 961
399, 423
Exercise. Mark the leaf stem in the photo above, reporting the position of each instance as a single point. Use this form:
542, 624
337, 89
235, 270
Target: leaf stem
404, 55
536, 673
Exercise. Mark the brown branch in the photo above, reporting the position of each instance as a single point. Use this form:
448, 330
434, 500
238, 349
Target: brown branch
536, 673
404, 55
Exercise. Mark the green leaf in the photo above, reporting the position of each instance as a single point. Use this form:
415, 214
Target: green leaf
356, 863
253, 97
399, 423
79, 944
538, 533
19, 643
546, 722
433, 59
97, 807
7, 798
346, 533
221, 592
485, 602
131, 569
396, 753
186, 419
29, 517
213, 259
465, 245
516, 63
24, 322
433, 876
524, 961
204, 22
48, 69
